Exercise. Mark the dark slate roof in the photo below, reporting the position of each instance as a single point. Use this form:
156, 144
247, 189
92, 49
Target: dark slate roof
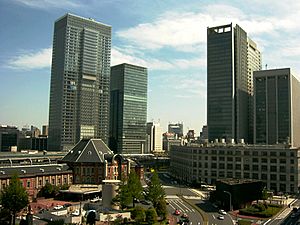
88, 150
34, 170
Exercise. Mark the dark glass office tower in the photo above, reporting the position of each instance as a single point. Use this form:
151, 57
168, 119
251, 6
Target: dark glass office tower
79, 92
229, 85
276, 112
128, 109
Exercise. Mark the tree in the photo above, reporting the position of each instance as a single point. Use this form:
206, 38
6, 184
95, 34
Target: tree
49, 191
161, 208
138, 214
135, 187
14, 197
151, 216
156, 193
129, 190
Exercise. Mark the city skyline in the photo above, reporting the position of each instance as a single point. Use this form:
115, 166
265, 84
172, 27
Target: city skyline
176, 58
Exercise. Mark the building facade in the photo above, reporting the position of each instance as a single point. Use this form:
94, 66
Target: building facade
154, 138
276, 107
34, 177
9, 137
92, 162
128, 108
230, 62
80, 77
275, 165
176, 128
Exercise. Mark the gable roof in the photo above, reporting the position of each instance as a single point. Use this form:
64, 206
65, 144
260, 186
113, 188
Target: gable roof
88, 150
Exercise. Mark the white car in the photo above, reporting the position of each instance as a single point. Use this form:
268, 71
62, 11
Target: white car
58, 207
76, 212
220, 217
221, 211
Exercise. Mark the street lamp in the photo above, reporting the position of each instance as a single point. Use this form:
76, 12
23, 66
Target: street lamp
230, 206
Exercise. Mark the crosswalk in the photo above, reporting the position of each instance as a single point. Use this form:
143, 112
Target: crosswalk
181, 205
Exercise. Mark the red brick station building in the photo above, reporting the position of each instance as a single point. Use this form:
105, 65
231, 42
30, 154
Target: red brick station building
89, 162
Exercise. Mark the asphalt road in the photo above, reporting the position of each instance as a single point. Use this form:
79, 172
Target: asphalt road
174, 190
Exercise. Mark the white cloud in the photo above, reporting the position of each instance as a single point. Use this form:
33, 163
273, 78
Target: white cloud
31, 60
47, 4
187, 31
127, 56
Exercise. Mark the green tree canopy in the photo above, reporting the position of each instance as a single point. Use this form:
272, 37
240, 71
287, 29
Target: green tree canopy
134, 186
156, 193
14, 197
151, 216
138, 214
129, 190
49, 191
161, 208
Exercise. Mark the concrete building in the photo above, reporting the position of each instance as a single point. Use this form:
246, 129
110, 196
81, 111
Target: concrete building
176, 128
276, 165
154, 138
128, 108
276, 107
80, 77
9, 136
231, 59
45, 130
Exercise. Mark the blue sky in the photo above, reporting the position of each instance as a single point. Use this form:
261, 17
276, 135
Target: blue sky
166, 36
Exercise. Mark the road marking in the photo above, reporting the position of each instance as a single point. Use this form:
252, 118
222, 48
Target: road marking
214, 216
172, 197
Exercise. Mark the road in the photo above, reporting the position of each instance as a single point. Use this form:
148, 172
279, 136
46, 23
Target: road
287, 217
173, 191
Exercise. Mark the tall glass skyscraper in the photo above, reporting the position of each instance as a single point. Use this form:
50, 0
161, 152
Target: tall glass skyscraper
231, 59
128, 109
80, 77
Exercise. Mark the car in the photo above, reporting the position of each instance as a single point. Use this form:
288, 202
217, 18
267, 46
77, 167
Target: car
220, 217
184, 215
58, 207
221, 211
76, 212
177, 212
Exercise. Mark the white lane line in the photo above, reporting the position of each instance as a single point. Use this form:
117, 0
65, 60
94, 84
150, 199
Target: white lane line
214, 216
178, 206
172, 206
182, 203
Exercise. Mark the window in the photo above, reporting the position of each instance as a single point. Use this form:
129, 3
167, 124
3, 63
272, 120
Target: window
282, 169
264, 176
221, 166
246, 175
238, 159
229, 166
273, 177
229, 159
264, 160
273, 160
28, 183
282, 161
292, 178
282, 178
273, 154
264, 153
255, 176
237, 166
246, 167
273, 168
264, 167
255, 168
53, 181
255, 160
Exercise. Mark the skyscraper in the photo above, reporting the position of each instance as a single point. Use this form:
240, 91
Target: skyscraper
128, 108
229, 82
176, 128
80, 73
276, 112
154, 138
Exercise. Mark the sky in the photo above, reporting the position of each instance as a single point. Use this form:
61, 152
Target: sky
166, 36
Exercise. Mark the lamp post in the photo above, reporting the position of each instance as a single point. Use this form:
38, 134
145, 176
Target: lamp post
230, 206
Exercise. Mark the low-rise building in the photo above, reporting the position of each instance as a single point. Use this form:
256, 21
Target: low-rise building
276, 165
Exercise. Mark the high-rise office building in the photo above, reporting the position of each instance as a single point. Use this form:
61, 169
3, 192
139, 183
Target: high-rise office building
128, 108
9, 137
176, 128
154, 138
231, 59
276, 108
80, 73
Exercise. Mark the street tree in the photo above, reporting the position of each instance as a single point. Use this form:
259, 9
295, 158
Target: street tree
151, 216
135, 187
155, 193
14, 197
